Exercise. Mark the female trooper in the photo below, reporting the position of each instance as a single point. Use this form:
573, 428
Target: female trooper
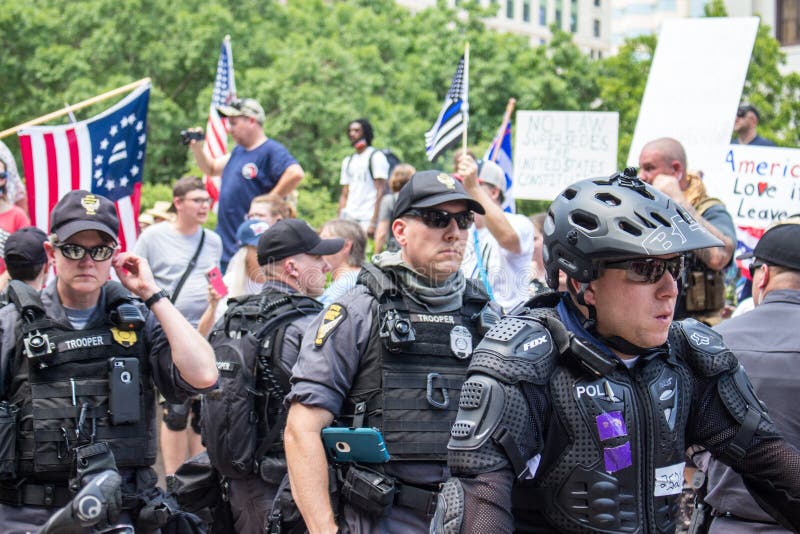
577, 412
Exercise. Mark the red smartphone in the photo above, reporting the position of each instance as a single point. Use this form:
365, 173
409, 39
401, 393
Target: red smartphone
215, 279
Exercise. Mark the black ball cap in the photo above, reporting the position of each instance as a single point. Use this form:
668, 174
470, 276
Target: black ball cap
289, 237
26, 246
780, 245
80, 210
426, 189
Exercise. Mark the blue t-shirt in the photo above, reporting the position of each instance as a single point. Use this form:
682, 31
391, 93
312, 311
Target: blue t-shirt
756, 141
249, 173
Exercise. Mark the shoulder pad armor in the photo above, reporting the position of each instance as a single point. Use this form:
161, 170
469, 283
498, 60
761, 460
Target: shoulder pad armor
516, 349
701, 347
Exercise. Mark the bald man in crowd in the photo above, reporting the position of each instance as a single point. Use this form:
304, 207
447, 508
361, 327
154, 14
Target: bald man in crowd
662, 163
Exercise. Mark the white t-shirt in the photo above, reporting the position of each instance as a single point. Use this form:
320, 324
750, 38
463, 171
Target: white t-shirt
509, 274
168, 253
355, 174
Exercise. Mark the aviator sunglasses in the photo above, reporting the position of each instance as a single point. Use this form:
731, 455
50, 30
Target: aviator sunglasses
441, 219
72, 251
649, 270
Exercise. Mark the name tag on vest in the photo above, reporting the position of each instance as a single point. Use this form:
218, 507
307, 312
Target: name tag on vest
84, 342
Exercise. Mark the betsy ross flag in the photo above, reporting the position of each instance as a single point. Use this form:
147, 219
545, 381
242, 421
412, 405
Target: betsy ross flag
500, 152
103, 154
216, 143
453, 118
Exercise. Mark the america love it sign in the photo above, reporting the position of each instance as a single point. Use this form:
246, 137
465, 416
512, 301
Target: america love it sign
759, 185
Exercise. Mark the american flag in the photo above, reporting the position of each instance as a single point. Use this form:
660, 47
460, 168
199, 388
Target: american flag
453, 118
500, 152
103, 154
216, 143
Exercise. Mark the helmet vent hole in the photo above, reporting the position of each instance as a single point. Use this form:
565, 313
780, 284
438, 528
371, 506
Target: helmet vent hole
569, 193
587, 221
608, 198
660, 219
625, 226
646, 222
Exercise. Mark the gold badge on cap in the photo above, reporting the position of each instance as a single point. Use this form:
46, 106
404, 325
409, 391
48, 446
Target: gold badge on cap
90, 203
447, 181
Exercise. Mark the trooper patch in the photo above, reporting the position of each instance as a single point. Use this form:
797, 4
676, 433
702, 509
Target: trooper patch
332, 317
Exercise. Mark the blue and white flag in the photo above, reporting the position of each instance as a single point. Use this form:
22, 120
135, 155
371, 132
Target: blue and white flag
453, 118
501, 146
104, 154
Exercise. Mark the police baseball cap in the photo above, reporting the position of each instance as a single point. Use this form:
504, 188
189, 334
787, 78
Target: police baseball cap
250, 231
430, 188
243, 107
81, 210
26, 246
289, 237
780, 245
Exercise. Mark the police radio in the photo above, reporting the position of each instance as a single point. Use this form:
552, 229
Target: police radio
127, 317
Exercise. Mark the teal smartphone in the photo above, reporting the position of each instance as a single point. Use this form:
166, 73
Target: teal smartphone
362, 445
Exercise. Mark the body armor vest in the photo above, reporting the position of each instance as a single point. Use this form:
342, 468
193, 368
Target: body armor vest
614, 449
62, 386
409, 381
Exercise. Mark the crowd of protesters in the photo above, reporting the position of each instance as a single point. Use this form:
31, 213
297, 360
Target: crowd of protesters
392, 276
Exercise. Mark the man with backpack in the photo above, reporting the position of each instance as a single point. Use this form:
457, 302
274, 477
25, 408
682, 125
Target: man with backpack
256, 343
363, 178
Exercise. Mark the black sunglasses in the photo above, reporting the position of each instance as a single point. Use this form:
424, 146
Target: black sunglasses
71, 251
649, 270
3, 175
754, 266
441, 219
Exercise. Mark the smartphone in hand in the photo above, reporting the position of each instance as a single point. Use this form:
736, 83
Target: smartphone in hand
215, 279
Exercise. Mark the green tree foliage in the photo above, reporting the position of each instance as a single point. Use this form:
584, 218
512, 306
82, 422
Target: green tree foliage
313, 64
317, 64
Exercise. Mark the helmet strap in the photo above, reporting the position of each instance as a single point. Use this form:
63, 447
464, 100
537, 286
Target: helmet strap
590, 324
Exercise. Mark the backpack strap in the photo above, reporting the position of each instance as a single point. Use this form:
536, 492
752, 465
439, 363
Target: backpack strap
27, 300
706, 203
275, 379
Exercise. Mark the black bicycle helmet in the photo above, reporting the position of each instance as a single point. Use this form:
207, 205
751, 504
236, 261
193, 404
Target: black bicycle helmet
607, 219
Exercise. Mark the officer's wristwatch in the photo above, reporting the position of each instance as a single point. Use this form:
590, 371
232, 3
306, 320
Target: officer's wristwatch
158, 295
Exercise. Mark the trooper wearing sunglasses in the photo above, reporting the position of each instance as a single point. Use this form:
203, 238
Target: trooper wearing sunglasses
79, 364
577, 410
391, 355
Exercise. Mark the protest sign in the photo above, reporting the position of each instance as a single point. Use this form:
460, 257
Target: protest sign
759, 185
694, 86
553, 149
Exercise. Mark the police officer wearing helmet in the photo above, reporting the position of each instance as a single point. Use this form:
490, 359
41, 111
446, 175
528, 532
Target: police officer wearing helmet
390, 354
577, 410
79, 364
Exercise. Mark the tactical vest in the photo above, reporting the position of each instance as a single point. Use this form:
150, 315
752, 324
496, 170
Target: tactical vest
243, 419
702, 289
614, 450
62, 386
410, 377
